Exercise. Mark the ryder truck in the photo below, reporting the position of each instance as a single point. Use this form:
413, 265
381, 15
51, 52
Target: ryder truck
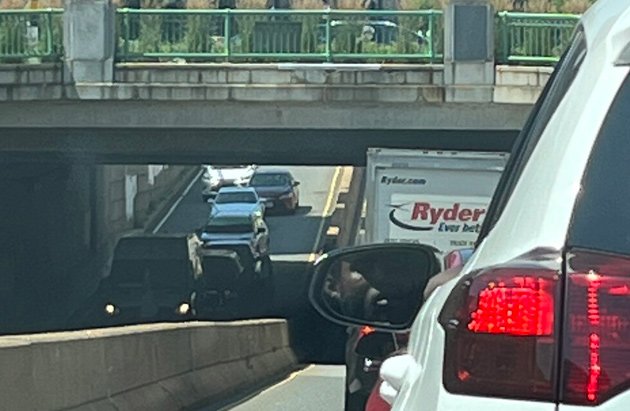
429, 197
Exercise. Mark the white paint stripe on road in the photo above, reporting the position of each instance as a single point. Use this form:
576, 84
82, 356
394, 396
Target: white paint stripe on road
287, 380
328, 209
176, 203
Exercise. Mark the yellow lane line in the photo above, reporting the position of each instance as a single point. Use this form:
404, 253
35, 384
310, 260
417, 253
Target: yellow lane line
328, 209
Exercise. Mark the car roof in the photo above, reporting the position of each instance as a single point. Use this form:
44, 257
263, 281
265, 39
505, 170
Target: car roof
237, 190
235, 208
234, 212
607, 24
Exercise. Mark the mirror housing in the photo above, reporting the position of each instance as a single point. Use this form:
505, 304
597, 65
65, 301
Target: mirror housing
260, 230
296, 183
380, 285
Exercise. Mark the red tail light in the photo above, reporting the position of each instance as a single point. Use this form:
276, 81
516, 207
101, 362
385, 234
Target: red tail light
503, 326
596, 350
500, 334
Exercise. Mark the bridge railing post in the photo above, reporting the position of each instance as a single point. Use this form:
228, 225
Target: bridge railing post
469, 51
89, 41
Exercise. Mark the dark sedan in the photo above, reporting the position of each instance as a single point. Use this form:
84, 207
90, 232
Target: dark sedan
278, 188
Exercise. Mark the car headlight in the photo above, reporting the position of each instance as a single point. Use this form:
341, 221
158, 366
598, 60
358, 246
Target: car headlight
111, 309
183, 309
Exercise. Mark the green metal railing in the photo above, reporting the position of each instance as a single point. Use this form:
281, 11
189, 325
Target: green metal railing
280, 35
31, 33
286, 35
526, 38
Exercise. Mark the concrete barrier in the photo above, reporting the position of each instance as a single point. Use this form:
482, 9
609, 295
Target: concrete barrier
145, 367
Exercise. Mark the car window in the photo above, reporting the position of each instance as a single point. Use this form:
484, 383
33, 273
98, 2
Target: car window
242, 197
602, 212
270, 180
554, 91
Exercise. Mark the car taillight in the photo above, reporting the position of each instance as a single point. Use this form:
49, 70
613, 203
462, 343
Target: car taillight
596, 349
366, 330
500, 329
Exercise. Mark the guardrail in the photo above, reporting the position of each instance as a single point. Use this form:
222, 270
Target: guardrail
280, 35
526, 38
31, 33
199, 35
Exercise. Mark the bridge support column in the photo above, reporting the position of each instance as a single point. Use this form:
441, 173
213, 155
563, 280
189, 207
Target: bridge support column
89, 40
468, 51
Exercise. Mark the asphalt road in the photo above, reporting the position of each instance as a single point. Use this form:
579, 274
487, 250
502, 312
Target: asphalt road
294, 238
315, 388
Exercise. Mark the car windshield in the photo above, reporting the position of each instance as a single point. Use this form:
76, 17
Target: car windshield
229, 225
270, 180
238, 197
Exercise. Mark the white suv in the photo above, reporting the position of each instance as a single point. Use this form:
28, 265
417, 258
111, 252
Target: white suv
539, 317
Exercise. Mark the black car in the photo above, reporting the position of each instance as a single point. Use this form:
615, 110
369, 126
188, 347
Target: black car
217, 291
152, 279
247, 234
277, 188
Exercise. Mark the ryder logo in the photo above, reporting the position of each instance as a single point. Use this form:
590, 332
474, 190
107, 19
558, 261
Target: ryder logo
423, 216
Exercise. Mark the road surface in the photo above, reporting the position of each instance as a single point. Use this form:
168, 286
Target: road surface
315, 388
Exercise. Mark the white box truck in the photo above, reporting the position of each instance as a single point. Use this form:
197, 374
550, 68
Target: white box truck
430, 197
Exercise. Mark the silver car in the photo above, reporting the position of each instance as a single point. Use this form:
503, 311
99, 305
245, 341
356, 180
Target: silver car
215, 177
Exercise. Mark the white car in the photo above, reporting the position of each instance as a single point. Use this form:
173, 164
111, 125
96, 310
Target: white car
538, 319
215, 177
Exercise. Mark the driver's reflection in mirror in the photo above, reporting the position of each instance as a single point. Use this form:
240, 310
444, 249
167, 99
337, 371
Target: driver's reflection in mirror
383, 287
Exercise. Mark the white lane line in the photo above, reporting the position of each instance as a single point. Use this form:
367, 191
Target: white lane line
328, 207
176, 203
287, 380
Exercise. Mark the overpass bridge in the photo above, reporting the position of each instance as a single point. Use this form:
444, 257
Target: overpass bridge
195, 113
116, 95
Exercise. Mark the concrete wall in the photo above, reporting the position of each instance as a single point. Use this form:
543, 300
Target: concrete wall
60, 222
387, 83
148, 367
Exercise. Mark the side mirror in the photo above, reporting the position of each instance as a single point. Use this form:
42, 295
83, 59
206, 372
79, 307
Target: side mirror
296, 183
379, 285
261, 230
211, 202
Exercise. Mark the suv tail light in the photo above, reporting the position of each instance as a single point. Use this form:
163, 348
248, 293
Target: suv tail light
504, 325
596, 349
500, 333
